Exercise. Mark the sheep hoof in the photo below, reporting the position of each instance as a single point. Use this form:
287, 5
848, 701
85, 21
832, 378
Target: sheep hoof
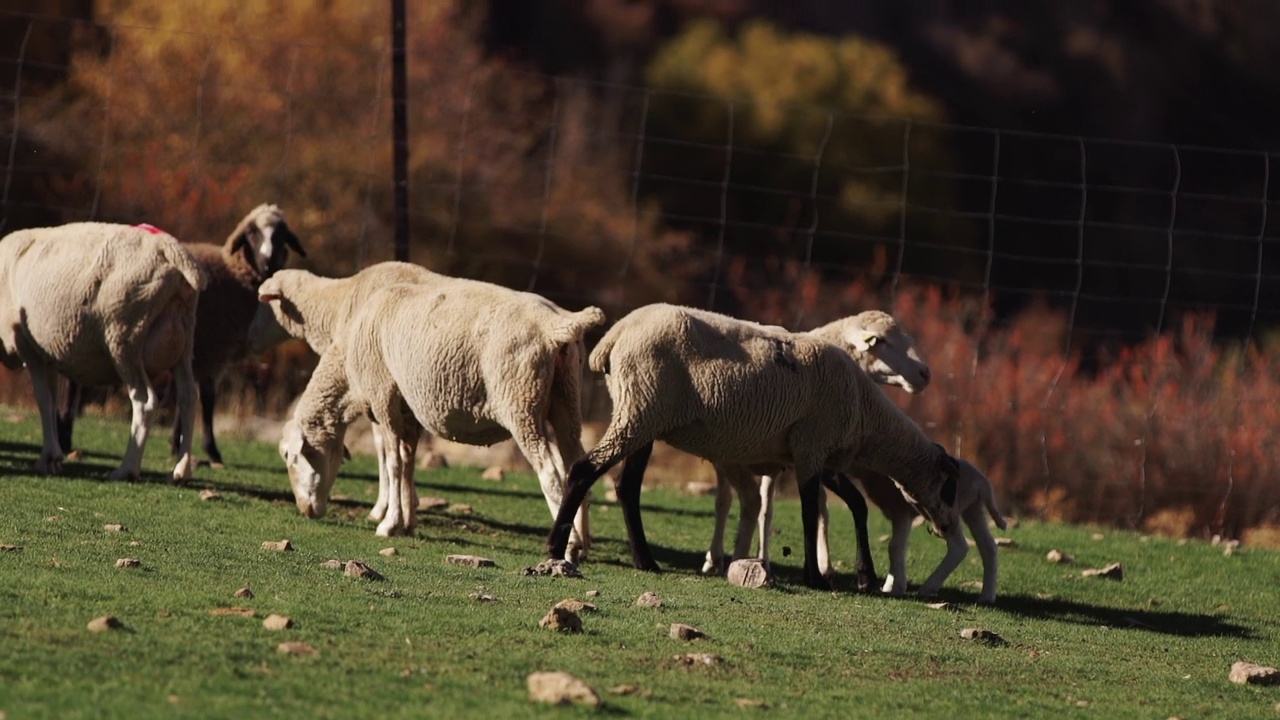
987, 599
49, 465
122, 473
712, 566
377, 514
866, 583
183, 471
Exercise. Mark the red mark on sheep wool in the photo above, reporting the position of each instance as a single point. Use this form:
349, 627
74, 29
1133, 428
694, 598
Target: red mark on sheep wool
149, 228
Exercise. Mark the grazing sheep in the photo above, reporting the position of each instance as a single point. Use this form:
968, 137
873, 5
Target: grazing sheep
101, 303
740, 394
256, 249
889, 356
975, 498
315, 309
468, 361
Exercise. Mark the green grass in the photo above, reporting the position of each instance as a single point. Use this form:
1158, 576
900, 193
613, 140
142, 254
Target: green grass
1157, 644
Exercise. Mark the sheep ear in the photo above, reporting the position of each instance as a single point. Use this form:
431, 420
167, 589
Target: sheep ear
863, 340
268, 297
290, 240
346, 454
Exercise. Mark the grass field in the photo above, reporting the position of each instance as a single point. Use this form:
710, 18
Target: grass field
1157, 644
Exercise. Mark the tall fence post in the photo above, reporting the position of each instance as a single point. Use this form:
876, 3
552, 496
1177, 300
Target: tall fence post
400, 130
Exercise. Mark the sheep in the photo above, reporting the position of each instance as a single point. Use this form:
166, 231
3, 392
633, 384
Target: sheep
473, 362
975, 498
739, 394
889, 356
315, 309
255, 250
101, 303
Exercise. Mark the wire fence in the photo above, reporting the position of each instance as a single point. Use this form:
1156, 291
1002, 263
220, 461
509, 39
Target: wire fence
1122, 238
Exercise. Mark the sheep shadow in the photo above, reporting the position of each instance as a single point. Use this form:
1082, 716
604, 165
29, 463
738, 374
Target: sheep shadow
1164, 622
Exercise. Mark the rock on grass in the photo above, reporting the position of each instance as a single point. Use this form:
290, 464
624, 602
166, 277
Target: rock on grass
1111, 572
115, 527
128, 563
358, 569
554, 568
561, 620
6, 547
680, 631
233, 611
748, 573
1058, 557
982, 635
1247, 673
277, 622
560, 688
576, 605
295, 648
649, 599
105, 623
244, 592
277, 545
471, 561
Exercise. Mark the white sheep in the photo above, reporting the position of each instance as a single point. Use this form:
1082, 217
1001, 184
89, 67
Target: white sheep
315, 309
888, 355
257, 247
975, 498
739, 394
101, 303
469, 361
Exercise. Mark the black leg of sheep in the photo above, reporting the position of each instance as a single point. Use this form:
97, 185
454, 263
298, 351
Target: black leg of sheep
865, 570
582, 475
810, 490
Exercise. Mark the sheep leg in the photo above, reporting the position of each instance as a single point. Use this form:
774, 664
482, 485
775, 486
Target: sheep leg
379, 510
824, 527
67, 419
714, 562
895, 583
613, 447
142, 397
957, 548
764, 518
566, 425
865, 570
975, 517
208, 402
537, 450
408, 448
628, 487
44, 381
810, 489
184, 383
393, 522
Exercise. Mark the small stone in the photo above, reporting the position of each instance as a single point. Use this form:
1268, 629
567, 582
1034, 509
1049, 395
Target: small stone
560, 688
593, 593
207, 495
493, 472
472, 561
748, 573
982, 635
461, 509
277, 545
1097, 536
135, 543
746, 703
6, 547
295, 648
561, 620
432, 503
128, 563
649, 599
1230, 547
483, 597
943, 606
388, 552
358, 569
624, 689
236, 611
277, 622
1112, 572
699, 487
244, 592
680, 631
1059, 557
883, 539
105, 623
576, 605
698, 659
115, 527
554, 568
333, 564
1004, 542
1247, 673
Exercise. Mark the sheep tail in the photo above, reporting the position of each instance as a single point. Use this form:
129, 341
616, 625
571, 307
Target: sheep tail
989, 499
573, 325
179, 258
599, 359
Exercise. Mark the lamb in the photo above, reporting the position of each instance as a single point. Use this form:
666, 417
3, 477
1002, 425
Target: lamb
255, 250
739, 394
101, 303
889, 356
469, 361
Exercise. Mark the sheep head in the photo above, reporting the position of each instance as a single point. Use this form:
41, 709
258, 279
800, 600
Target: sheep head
885, 352
312, 468
936, 501
265, 239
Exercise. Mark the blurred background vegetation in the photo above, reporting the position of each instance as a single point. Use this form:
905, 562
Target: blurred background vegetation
1029, 185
